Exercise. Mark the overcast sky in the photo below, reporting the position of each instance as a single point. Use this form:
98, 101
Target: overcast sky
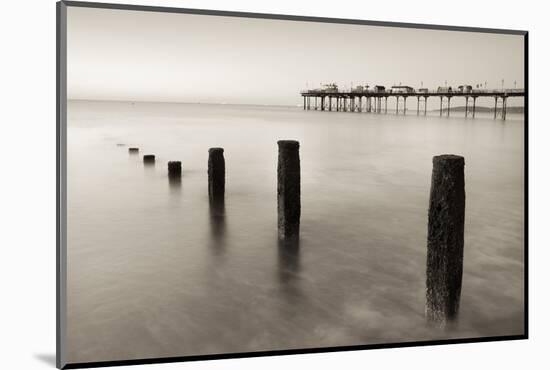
148, 56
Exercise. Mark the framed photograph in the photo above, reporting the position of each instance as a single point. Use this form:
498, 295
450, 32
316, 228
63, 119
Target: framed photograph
236, 184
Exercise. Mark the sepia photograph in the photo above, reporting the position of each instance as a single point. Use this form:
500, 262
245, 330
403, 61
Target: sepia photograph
240, 184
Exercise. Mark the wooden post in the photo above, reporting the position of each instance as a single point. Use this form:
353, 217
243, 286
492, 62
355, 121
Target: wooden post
149, 159
174, 169
216, 175
445, 239
288, 189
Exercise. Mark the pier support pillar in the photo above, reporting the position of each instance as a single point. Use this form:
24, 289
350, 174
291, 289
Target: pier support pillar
386, 105
216, 175
474, 107
418, 105
322, 103
425, 104
504, 106
496, 101
448, 106
288, 190
404, 105
304, 103
445, 239
466, 110
440, 106
397, 105
330, 103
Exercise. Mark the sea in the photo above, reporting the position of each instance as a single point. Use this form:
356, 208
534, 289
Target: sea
153, 271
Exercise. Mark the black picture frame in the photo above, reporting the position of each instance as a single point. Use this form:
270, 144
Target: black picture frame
61, 186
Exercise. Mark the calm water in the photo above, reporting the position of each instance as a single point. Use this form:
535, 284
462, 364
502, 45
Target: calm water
152, 273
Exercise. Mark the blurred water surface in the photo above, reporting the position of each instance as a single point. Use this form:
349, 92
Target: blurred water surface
153, 271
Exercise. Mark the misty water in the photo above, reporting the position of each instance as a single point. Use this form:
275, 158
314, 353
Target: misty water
154, 272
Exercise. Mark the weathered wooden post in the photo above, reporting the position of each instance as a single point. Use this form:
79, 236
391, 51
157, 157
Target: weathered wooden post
216, 175
445, 239
174, 169
149, 159
288, 189
133, 150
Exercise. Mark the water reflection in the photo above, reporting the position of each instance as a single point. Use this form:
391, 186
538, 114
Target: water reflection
289, 267
217, 225
175, 184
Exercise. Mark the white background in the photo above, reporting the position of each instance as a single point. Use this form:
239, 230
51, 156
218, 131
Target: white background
27, 185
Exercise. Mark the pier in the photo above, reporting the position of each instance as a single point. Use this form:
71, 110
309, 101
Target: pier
330, 98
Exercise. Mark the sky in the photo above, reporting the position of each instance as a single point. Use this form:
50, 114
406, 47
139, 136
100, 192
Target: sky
165, 57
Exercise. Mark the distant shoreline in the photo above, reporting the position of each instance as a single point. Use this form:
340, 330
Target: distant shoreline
181, 102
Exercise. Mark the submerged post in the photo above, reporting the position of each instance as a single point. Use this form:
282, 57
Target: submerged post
288, 190
445, 239
149, 159
174, 169
216, 175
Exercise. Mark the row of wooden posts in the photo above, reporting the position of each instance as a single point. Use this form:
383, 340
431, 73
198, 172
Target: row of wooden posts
445, 218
